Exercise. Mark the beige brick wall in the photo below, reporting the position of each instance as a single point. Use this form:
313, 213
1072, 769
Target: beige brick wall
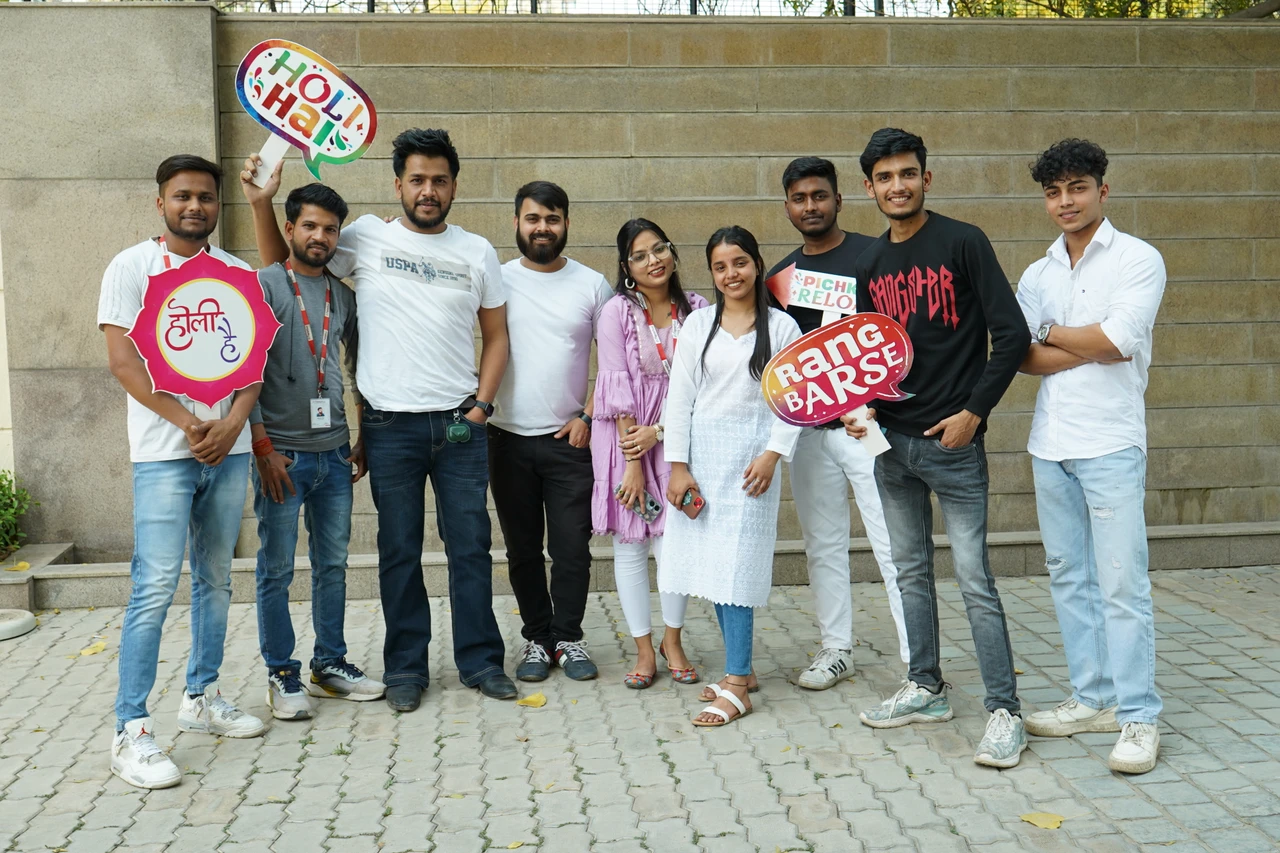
690, 122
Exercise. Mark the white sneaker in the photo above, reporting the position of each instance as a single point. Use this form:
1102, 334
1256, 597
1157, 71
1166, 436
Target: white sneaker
1071, 718
136, 759
828, 669
216, 716
344, 680
1137, 749
286, 698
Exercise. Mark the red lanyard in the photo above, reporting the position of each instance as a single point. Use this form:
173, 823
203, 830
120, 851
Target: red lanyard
306, 324
657, 341
164, 253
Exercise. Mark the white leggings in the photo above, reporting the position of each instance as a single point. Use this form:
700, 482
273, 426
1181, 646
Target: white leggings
631, 573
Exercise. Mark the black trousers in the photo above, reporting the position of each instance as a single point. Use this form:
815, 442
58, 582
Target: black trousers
535, 478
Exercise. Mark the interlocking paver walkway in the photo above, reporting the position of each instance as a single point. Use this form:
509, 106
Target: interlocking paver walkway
604, 768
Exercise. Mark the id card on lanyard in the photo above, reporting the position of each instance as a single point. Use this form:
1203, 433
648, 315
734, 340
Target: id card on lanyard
657, 339
318, 406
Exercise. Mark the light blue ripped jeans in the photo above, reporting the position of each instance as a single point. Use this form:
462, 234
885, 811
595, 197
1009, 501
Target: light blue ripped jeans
1095, 542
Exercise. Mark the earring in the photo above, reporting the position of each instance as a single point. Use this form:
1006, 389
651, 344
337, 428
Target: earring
628, 283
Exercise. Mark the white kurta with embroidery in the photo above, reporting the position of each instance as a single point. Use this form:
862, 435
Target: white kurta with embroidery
717, 422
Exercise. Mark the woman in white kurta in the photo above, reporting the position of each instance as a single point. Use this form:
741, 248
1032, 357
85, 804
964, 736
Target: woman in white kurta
724, 444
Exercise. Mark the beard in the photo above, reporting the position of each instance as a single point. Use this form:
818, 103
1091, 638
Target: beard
541, 253
306, 252
425, 220
190, 230
900, 215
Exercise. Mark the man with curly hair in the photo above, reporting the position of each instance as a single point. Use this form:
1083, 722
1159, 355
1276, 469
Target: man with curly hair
1091, 304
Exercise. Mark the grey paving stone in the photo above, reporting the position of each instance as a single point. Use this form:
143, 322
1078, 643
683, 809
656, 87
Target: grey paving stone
1154, 831
1237, 841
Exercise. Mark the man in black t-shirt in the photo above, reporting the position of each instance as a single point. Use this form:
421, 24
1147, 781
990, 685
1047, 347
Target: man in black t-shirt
940, 279
826, 458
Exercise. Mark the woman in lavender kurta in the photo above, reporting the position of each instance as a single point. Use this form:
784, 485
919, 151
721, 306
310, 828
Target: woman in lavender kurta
626, 439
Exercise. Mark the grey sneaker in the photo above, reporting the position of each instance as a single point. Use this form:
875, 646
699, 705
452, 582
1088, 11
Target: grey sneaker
344, 680
1004, 741
285, 696
828, 669
911, 704
212, 714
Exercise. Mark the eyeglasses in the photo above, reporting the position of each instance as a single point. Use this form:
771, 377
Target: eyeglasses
660, 252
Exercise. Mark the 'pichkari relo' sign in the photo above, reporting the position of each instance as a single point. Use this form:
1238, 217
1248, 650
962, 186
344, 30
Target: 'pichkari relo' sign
307, 102
822, 291
204, 329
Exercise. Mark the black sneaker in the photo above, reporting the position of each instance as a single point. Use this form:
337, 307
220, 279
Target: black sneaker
535, 662
572, 657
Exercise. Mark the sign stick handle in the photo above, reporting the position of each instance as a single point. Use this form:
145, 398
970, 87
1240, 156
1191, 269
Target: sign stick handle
829, 317
272, 153
874, 441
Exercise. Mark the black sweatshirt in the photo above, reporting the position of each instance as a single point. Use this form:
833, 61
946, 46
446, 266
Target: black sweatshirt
946, 287
838, 261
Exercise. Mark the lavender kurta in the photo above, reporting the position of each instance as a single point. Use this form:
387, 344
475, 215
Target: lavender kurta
630, 381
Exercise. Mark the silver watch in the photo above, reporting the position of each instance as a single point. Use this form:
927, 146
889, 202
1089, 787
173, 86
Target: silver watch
1043, 334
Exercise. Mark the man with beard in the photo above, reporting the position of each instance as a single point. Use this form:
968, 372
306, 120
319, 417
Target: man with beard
940, 279
540, 432
421, 284
190, 468
825, 457
300, 442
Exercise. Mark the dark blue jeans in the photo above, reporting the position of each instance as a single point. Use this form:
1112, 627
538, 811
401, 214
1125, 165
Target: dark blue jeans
323, 485
905, 475
404, 449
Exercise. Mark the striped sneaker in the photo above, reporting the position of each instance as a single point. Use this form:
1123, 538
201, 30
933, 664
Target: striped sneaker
911, 704
828, 669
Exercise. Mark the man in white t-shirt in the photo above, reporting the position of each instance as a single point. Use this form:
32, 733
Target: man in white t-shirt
190, 471
420, 286
1091, 303
540, 434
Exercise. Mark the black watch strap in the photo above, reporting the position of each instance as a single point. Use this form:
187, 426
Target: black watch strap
487, 408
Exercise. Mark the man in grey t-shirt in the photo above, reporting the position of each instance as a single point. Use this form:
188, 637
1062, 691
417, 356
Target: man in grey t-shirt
301, 446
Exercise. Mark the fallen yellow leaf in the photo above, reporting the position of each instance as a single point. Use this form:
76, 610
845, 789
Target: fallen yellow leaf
18, 567
537, 700
93, 649
837, 726
574, 701
1044, 820
550, 785
786, 749
515, 844
455, 796
1018, 672
523, 739
515, 611
56, 610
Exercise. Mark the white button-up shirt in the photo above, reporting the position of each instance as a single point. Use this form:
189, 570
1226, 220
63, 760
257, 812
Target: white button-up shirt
1095, 409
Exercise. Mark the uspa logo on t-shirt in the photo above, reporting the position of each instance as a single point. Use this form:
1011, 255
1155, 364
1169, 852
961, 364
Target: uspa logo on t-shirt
433, 272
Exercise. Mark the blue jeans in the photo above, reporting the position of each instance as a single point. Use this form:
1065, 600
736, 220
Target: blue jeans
1095, 542
906, 474
323, 485
736, 623
404, 449
174, 500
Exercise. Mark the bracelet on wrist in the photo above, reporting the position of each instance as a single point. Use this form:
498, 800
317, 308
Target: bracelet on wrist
262, 447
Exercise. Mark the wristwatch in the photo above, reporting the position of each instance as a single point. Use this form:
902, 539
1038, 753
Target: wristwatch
1043, 334
487, 408
657, 431
585, 418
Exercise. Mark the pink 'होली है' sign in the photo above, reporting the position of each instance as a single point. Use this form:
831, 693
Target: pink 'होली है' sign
307, 102
836, 368
204, 329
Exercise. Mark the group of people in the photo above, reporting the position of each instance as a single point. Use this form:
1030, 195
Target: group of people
673, 455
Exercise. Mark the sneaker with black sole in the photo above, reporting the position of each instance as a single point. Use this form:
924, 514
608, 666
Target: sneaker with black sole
535, 662
344, 680
572, 657
211, 714
285, 696
137, 759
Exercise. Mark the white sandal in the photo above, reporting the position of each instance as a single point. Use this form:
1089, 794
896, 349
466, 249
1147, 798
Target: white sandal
725, 719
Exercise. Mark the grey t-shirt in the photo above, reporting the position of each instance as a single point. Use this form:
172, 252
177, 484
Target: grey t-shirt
284, 405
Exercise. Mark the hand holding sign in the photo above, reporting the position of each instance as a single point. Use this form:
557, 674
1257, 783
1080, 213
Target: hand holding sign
306, 102
837, 369
833, 295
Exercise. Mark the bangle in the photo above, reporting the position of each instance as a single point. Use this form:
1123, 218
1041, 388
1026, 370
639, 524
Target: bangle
262, 447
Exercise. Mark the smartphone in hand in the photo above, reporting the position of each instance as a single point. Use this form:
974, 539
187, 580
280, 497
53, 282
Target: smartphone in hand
692, 503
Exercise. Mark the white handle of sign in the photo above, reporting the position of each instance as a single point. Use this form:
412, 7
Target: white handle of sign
874, 441
203, 412
829, 317
272, 153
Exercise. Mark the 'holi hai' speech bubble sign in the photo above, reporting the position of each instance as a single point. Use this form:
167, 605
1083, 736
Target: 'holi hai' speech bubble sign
304, 100
836, 368
204, 329
818, 290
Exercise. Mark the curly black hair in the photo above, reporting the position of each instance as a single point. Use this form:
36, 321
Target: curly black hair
1070, 158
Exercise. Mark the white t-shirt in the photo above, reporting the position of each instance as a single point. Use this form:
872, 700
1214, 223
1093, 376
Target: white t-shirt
418, 295
151, 437
551, 321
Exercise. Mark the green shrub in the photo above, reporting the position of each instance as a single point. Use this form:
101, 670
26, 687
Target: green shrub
14, 502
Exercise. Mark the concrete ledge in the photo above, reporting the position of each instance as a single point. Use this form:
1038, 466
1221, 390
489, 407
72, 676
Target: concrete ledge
1016, 554
17, 588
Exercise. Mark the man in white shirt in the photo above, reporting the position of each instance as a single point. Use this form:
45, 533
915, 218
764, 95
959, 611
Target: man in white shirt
420, 286
190, 472
1091, 304
540, 434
